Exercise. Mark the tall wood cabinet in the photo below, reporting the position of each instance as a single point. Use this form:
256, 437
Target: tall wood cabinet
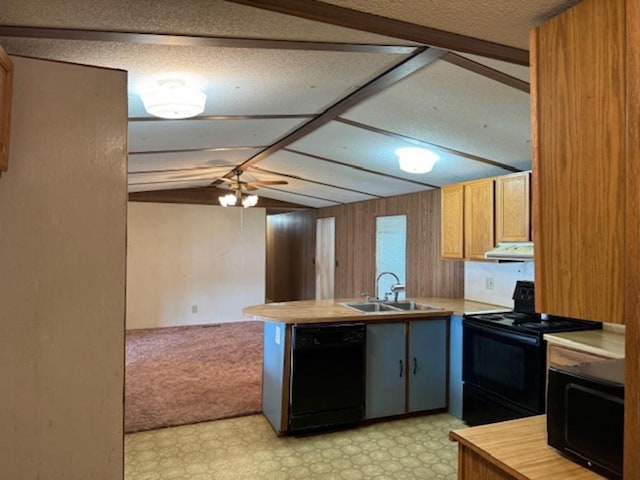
580, 161
585, 92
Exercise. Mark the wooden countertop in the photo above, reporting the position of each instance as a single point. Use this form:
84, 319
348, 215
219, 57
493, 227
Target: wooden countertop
605, 343
519, 448
324, 311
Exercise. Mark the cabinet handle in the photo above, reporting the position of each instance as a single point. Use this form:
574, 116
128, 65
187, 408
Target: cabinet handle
415, 365
400, 367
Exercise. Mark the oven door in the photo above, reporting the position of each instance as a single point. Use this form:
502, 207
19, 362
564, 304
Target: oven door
505, 363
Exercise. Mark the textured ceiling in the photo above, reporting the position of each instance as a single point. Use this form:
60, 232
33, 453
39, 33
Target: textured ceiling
501, 21
191, 17
320, 106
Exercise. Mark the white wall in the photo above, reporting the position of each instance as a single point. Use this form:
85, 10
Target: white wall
504, 276
62, 274
193, 264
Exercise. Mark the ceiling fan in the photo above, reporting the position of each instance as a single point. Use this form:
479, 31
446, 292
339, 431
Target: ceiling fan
238, 186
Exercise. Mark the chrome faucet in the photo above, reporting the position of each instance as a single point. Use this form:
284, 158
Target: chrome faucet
395, 288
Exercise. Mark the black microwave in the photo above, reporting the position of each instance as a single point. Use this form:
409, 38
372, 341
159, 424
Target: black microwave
585, 415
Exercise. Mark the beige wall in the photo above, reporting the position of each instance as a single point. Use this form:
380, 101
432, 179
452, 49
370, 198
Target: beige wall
62, 274
193, 264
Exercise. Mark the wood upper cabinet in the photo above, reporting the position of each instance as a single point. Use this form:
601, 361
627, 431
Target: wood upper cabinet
467, 223
578, 94
452, 221
513, 206
478, 218
6, 91
472, 212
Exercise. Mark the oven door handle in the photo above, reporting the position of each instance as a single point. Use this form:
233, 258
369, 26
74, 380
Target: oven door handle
517, 337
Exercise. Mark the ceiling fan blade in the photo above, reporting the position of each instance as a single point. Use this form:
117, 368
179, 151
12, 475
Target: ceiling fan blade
268, 182
195, 172
195, 176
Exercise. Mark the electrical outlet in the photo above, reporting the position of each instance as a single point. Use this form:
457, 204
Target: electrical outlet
488, 283
194, 308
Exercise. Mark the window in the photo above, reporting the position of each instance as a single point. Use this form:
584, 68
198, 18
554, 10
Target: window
391, 247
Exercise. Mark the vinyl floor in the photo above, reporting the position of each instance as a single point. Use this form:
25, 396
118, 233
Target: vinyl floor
246, 448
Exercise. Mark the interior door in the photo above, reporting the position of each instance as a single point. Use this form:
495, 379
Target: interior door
325, 257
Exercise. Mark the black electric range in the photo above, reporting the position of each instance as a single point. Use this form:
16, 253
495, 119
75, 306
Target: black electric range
504, 359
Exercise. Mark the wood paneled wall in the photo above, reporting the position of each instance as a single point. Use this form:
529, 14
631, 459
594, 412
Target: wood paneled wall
427, 274
290, 270
291, 249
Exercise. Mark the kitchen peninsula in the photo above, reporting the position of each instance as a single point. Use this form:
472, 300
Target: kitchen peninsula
333, 310
404, 368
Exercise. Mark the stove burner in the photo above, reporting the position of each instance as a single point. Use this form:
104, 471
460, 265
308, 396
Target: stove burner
517, 317
521, 317
534, 325
494, 317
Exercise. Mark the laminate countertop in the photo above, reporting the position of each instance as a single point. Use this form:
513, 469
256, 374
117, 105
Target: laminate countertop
326, 311
605, 343
519, 449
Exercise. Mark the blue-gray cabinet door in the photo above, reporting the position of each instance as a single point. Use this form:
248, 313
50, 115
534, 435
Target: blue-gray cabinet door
386, 370
427, 364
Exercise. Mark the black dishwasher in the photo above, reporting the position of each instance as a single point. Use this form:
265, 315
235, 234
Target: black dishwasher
327, 376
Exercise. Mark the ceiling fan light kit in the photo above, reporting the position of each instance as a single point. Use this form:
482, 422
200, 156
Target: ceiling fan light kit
172, 99
250, 201
230, 200
238, 187
416, 159
227, 200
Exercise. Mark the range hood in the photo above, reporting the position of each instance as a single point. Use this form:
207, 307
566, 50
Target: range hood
511, 251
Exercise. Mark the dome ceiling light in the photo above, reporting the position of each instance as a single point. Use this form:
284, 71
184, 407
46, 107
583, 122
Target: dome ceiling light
416, 159
172, 99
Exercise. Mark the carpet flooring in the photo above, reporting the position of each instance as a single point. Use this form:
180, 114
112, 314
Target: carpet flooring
184, 375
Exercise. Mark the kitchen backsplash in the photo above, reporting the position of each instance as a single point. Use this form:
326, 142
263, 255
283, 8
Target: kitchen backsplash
491, 282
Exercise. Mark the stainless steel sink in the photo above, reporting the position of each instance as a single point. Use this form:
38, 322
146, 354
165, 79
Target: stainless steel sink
409, 306
398, 307
371, 307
